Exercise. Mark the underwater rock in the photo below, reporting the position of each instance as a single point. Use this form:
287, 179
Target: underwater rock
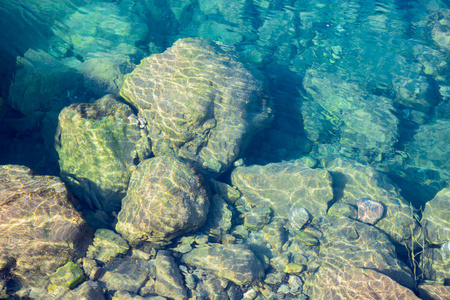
200, 102
365, 121
219, 218
128, 274
339, 209
281, 186
298, 216
434, 292
88, 290
436, 263
42, 83
436, 218
107, 246
275, 234
356, 283
349, 243
353, 181
234, 262
369, 211
98, 145
99, 27
165, 199
428, 156
66, 277
257, 217
105, 72
169, 282
228, 193
441, 32
39, 228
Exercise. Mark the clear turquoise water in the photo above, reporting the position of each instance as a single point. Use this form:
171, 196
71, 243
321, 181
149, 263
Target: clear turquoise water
364, 80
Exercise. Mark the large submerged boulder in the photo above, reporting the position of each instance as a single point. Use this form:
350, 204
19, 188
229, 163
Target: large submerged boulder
165, 199
283, 186
98, 146
364, 121
200, 102
39, 228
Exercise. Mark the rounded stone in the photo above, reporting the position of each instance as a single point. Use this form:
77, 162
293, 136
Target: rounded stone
369, 211
165, 199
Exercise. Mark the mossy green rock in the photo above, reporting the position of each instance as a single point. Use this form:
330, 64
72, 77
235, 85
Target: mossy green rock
234, 262
281, 186
200, 102
107, 246
436, 218
98, 145
165, 199
67, 276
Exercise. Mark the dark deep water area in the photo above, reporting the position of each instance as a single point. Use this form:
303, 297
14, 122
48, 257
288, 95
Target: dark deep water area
353, 95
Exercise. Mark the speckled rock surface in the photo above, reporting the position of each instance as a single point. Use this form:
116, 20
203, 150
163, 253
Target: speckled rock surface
39, 228
107, 246
234, 262
165, 199
355, 283
436, 218
200, 102
349, 243
353, 181
281, 186
98, 145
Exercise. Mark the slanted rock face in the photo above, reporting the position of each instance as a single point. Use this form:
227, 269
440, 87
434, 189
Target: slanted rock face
98, 145
353, 182
231, 261
436, 218
349, 243
39, 228
282, 186
200, 102
164, 200
355, 283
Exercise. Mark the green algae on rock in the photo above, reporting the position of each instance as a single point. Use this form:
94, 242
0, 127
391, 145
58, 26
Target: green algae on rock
39, 228
281, 186
235, 262
200, 102
98, 145
66, 277
107, 246
165, 199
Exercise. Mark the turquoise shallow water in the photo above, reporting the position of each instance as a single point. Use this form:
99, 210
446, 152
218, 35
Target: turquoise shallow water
366, 82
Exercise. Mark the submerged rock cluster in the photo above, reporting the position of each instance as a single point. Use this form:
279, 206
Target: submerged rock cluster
280, 155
